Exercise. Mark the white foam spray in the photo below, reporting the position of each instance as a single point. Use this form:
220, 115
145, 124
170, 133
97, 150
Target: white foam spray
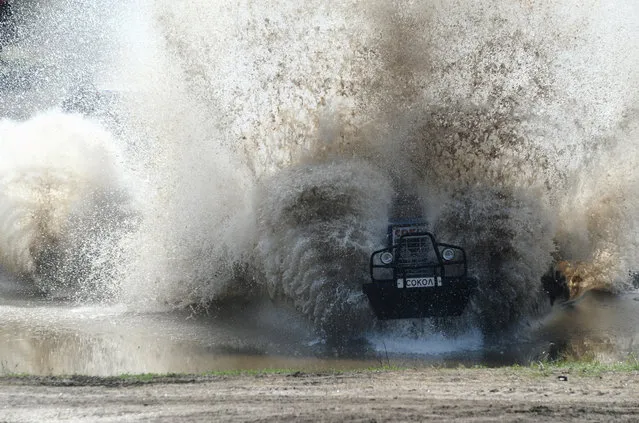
62, 203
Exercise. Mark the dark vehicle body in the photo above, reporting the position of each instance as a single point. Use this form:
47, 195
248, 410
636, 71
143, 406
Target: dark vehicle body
416, 276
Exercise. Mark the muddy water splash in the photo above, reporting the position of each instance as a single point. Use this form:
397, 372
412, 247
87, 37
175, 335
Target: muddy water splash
63, 203
318, 224
270, 140
505, 120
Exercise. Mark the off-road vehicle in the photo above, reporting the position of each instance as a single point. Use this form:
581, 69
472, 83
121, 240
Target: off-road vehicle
417, 276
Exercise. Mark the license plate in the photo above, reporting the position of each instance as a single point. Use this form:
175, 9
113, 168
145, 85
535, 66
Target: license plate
419, 282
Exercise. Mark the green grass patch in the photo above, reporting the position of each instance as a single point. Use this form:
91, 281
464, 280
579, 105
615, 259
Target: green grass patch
296, 371
144, 378
586, 366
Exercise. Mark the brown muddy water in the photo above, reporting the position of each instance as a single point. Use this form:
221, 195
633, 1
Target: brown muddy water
45, 337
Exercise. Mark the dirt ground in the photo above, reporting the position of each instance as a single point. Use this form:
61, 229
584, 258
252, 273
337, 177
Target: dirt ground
471, 395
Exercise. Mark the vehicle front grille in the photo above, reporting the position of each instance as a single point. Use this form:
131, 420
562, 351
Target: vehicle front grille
416, 251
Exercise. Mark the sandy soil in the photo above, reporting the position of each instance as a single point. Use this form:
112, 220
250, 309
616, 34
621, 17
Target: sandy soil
472, 395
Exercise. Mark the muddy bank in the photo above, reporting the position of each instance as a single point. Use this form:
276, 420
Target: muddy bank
504, 394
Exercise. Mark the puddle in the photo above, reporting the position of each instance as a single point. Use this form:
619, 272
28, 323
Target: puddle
44, 338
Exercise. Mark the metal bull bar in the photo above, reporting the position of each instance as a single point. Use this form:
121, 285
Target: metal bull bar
418, 277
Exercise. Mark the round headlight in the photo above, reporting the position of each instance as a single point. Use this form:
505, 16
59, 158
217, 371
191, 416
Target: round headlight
448, 254
386, 257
